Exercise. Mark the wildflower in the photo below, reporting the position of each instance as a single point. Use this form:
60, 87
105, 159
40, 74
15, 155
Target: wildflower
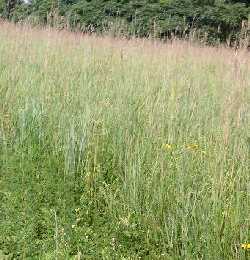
167, 146
245, 246
125, 221
192, 147
73, 226
62, 232
77, 210
113, 243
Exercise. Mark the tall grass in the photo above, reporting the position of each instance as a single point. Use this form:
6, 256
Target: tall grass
116, 149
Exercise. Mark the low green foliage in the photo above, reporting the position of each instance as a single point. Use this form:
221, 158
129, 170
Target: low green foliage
121, 149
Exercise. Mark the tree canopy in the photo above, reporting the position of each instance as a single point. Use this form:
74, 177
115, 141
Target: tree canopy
210, 20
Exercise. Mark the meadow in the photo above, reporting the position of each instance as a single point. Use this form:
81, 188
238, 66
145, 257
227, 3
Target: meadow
122, 149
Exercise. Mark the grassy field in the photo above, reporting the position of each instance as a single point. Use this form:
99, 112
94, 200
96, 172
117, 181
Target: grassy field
116, 149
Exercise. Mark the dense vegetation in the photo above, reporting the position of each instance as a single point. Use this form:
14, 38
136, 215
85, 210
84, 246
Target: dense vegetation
117, 149
209, 20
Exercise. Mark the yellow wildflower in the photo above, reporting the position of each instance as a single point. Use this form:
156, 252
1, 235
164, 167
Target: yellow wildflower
245, 246
167, 146
192, 147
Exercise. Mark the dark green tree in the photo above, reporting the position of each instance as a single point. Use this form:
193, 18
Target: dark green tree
10, 6
215, 20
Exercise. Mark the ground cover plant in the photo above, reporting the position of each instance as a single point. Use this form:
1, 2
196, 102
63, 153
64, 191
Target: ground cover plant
117, 149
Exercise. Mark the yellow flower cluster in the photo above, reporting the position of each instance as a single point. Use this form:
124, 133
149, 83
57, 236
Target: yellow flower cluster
167, 147
245, 246
192, 147
189, 147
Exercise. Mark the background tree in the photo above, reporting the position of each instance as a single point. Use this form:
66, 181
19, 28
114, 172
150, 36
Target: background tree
10, 6
210, 20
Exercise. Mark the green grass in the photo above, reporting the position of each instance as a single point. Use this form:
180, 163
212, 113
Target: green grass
86, 171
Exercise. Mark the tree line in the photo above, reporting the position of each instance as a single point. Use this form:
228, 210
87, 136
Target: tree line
212, 21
